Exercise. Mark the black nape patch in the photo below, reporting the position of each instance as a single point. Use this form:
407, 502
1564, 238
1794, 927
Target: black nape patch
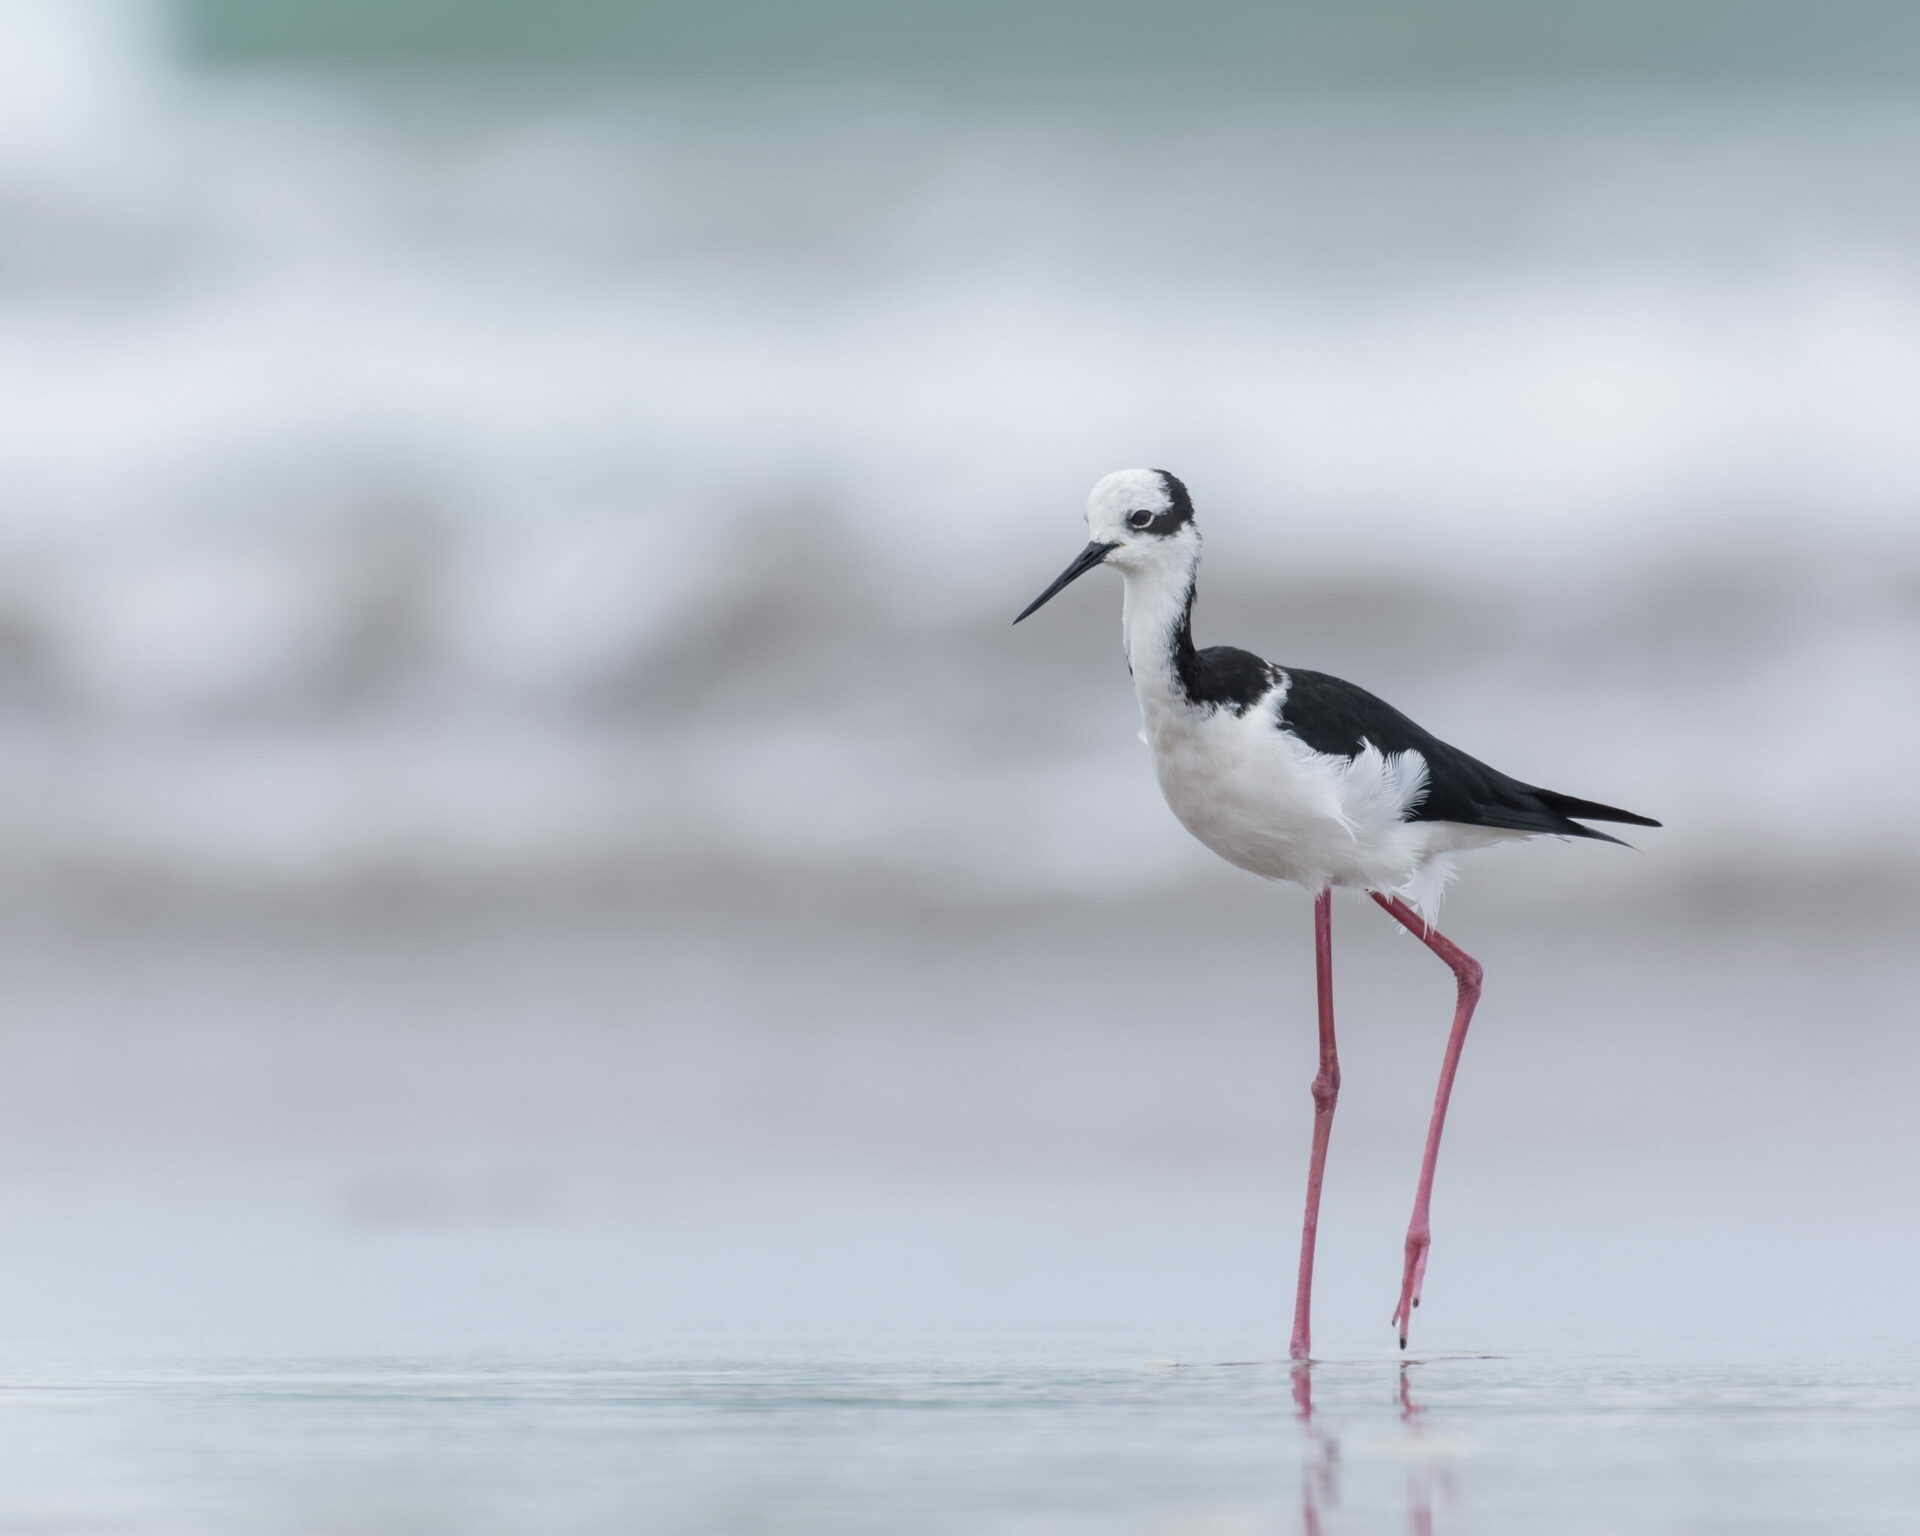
1179, 507
1220, 677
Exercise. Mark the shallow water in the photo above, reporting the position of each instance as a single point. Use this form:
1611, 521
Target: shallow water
983, 1436
608, 1225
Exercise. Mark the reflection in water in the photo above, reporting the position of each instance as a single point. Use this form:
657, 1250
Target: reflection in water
1319, 1485
1420, 1475
1319, 1481
1426, 1476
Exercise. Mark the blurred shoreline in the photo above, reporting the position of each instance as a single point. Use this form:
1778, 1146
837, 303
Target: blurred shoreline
418, 491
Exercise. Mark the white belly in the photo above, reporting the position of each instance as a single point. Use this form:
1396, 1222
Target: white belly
1262, 799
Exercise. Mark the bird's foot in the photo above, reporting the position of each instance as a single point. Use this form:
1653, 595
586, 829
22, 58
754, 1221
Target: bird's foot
1412, 1276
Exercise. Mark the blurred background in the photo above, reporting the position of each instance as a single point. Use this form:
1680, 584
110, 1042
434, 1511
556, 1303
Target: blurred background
521, 812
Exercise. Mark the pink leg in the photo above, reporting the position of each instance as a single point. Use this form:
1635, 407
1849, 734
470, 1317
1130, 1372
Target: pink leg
1466, 972
1326, 1093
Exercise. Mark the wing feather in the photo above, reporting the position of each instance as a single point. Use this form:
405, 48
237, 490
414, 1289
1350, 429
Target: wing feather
1334, 716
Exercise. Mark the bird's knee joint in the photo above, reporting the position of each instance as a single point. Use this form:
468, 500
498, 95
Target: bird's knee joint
1470, 973
1326, 1088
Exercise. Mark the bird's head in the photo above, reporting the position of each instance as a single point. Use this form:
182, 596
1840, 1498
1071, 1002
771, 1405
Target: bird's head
1140, 520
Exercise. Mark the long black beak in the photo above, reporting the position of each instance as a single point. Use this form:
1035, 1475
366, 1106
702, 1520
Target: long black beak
1083, 562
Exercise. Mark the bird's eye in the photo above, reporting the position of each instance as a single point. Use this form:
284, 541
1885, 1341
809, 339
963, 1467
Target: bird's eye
1139, 519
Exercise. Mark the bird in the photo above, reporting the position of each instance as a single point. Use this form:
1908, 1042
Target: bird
1295, 775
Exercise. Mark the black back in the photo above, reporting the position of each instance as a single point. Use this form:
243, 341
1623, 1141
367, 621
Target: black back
1339, 718
1334, 716
1222, 676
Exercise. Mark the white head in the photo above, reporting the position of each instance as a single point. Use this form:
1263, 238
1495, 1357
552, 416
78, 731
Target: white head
1140, 520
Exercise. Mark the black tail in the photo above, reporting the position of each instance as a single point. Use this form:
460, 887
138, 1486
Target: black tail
1588, 810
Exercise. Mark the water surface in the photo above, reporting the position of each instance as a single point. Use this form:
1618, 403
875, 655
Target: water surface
958, 1436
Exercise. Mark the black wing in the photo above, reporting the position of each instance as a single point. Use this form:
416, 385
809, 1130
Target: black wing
1336, 717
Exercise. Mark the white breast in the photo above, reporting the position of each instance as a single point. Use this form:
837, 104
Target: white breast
1264, 800
1254, 792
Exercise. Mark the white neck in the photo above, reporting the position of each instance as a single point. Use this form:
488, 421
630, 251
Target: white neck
1152, 619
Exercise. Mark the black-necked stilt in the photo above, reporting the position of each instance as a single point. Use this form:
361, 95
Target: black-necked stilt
1299, 776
